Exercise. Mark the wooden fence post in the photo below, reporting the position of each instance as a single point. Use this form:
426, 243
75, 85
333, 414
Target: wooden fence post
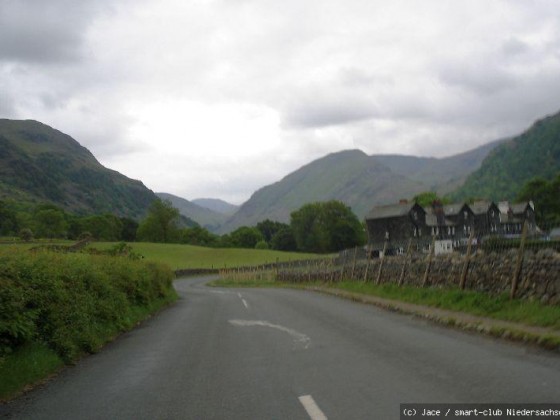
354, 263
406, 258
463, 280
368, 262
519, 263
381, 261
429, 262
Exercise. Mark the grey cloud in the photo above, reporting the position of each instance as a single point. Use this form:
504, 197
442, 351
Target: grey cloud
7, 106
37, 31
514, 47
479, 77
317, 114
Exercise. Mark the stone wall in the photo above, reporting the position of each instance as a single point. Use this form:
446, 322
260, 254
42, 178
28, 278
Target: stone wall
492, 273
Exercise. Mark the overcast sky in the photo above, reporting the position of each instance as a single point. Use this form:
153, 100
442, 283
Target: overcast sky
217, 98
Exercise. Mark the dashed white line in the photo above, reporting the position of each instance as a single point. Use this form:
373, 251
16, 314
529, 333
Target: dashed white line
245, 303
312, 408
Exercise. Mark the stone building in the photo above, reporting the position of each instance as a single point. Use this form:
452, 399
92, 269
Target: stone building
396, 222
449, 225
486, 217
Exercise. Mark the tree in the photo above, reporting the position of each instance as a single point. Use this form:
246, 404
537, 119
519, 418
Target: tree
269, 228
546, 197
50, 222
160, 225
245, 237
8, 220
326, 227
102, 227
427, 198
129, 228
198, 236
284, 240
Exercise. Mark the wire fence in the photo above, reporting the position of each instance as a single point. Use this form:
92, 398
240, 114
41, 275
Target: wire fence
524, 263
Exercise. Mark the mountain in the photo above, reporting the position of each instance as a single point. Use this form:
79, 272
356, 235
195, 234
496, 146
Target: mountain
216, 205
205, 217
41, 164
359, 180
534, 153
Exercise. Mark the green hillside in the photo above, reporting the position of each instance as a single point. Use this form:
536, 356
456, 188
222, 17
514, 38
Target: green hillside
41, 164
535, 153
205, 217
359, 180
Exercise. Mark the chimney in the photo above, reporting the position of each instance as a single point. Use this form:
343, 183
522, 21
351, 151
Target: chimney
437, 205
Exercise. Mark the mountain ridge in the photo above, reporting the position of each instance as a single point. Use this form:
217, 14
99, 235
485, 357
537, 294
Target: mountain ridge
41, 164
359, 180
533, 153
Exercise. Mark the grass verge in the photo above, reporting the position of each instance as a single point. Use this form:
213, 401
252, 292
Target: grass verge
29, 365
34, 362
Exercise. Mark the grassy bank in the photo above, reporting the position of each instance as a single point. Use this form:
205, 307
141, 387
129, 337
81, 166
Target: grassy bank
56, 307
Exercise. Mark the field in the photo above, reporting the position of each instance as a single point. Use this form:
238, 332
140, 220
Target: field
179, 256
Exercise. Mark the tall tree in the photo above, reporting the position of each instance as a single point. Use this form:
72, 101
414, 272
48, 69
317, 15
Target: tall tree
546, 197
8, 220
245, 237
161, 223
50, 222
427, 198
269, 228
326, 227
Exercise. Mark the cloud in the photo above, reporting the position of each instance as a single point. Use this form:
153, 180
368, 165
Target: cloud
322, 108
220, 97
36, 31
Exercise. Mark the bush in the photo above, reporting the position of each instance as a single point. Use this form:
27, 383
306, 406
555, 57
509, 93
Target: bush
73, 302
261, 245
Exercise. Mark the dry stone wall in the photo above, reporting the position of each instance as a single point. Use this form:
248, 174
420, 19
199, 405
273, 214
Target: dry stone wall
493, 273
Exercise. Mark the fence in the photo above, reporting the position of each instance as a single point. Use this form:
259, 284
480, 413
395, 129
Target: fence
526, 265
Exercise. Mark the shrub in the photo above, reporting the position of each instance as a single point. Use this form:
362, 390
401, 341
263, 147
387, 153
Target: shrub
261, 245
73, 302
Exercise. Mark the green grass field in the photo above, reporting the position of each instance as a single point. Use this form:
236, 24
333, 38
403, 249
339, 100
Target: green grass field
179, 256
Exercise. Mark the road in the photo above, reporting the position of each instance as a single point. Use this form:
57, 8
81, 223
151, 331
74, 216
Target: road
286, 354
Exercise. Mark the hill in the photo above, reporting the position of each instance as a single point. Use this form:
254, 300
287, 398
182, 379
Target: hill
359, 180
205, 217
41, 164
534, 153
216, 205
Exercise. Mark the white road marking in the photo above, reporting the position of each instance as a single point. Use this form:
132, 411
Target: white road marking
312, 408
245, 303
240, 295
219, 292
298, 337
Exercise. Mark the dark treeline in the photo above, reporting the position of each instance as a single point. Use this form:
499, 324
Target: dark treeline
49, 221
316, 227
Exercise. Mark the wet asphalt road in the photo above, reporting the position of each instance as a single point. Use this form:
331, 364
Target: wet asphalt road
286, 354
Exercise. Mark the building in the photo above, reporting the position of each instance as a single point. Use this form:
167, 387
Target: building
396, 222
450, 225
486, 217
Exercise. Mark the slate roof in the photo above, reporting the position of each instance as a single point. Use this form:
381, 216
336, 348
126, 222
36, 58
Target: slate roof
519, 207
392, 210
480, 207
453, 209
